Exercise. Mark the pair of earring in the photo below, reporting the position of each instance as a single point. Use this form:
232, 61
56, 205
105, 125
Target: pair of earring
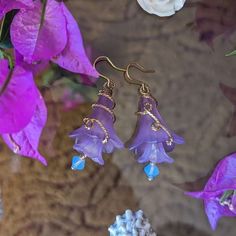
151, 141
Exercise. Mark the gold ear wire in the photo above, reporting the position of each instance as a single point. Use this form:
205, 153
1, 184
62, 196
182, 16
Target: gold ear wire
110, 83
144, 88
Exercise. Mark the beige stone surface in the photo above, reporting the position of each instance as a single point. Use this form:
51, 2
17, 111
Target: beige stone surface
58, 201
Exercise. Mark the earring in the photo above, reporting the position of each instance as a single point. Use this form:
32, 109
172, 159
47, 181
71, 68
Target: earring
152, 138
97, 135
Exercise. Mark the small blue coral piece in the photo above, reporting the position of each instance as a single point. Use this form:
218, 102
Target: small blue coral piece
78, 163
151, 171
131, 224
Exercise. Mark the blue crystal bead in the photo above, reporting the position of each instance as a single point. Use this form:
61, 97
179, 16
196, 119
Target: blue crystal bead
78, 163
151, 171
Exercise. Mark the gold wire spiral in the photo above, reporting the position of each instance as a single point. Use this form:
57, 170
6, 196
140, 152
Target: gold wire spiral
89, 122
157, 125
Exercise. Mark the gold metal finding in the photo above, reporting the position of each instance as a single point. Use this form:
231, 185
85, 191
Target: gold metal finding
104, 108
110, 83
144, 88
89, 122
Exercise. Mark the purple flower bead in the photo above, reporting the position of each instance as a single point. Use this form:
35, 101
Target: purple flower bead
97, 135
152, 138
219, 194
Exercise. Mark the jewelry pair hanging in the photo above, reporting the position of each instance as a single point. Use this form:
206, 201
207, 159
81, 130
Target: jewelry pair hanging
151, 141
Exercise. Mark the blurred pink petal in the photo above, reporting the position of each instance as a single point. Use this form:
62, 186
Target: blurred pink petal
26, 141
215, 18
18, 101
36, 43
73, 57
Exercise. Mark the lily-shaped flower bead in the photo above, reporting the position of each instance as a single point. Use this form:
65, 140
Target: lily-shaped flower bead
97, 134
152, 139
219, 194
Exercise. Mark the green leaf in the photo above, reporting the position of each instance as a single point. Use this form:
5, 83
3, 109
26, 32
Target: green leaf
1, 55
226, 195
233, 53
5, 39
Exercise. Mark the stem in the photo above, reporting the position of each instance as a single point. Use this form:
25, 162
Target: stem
11, 65
226, 195
7, 81
1, 26
9, 58
44, 2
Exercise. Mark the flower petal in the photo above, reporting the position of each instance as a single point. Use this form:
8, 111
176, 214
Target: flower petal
215, 211
212, 209
37, 43
25, 142
36, 68
144, 132
73, 57
224, 176
18, 101
90, 146
8, 5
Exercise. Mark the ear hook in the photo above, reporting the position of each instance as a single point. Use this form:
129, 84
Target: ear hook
144, 87
110, 83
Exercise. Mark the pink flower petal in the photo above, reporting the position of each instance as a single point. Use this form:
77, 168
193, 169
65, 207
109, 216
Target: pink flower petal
18, 101
73, 57
36, 68
8, 5
36, 43
25, 142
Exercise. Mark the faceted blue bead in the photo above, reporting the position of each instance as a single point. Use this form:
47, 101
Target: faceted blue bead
151, 171
77, 163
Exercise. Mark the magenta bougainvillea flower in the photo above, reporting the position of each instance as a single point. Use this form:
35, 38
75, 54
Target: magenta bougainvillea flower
18, 101
23, 113
8, 5
152, 139
36, 68
40, 32
56, 38
26, 141
97, 135
219, 194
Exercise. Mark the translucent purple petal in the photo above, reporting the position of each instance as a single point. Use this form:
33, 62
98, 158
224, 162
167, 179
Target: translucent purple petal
8, 5
18, 101
145, 133
37, 43
26, 141
90, 141
215, 211
91, 146
222, 179
152, 152
73, 57
224, 176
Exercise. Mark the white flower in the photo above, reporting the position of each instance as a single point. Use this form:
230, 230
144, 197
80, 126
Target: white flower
161, 7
